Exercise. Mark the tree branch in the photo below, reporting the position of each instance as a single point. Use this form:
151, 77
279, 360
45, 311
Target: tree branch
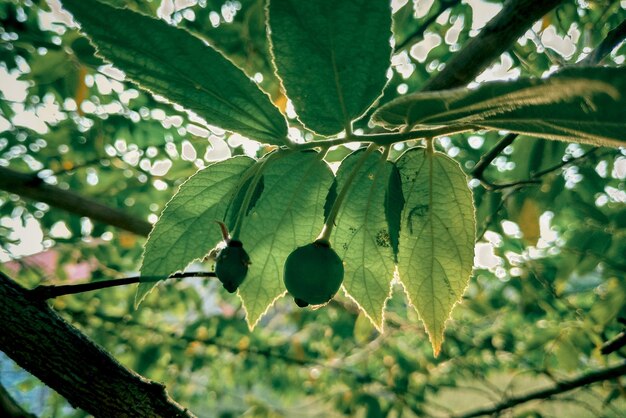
45, 292
614, 343
31, 187
276, 352
609, 373
419, 33
612, 40
39, 341
491, 155
494, 39
608, 44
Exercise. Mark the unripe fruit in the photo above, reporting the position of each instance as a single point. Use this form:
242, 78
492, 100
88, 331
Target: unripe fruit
313, 273
231, 265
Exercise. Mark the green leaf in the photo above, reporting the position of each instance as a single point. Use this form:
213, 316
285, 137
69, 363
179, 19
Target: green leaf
437, 237
179, 66
361, 235
585, 105
344, 48
186, 230
289, 214
394, 202
235, 207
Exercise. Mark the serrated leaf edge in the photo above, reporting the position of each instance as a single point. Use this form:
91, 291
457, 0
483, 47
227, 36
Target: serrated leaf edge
431, 338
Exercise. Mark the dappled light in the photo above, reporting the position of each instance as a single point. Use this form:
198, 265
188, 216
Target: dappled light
281, 208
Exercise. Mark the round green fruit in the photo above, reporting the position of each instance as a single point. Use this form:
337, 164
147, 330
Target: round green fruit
231, 265
313, 273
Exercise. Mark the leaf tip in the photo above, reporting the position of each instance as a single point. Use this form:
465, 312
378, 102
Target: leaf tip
143, 290
251, 319
377, 319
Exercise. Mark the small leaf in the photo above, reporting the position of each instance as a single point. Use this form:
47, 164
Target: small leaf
186, 230
361, 236
179, 66
437, 237
344, 48
289, 214
586, 105
235, 206
394, 202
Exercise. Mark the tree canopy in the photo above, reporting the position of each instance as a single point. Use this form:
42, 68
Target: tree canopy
464, 160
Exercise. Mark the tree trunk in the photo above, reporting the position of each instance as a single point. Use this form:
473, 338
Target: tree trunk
44, 344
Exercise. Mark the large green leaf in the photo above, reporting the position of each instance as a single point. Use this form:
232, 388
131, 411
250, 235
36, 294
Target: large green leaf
179, 66
342, 48
361, 236
186, 230
586, 105
289, 214
437, 236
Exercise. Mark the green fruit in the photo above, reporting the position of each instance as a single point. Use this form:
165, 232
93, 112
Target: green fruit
231, 265
313, 273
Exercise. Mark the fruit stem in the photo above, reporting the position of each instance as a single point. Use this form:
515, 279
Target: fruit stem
429, 145
330, 221
224, 229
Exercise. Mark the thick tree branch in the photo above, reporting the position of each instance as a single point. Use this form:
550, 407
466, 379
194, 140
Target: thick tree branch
38, 340
30, 187
494, 39
419, 33
608, 44
609, 373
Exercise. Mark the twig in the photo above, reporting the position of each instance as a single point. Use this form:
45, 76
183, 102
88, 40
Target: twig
45, 292
565, 162
563, 386
614, 343
536, 177
491, 155
38, 176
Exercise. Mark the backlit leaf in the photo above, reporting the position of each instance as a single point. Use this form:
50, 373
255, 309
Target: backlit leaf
585, 105
437, 236
182, 68
289, 214
361, 235
186, 230
343, 48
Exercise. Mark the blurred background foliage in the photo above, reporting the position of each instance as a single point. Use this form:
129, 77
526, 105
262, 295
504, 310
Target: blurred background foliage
548, 287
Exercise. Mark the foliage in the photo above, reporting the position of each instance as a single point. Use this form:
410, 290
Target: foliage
553, 239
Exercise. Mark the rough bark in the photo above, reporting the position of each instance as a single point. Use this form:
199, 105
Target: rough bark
41, 342
495, 38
